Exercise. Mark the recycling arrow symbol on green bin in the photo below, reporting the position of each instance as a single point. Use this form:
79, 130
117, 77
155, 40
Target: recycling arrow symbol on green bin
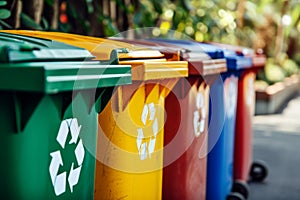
59, 181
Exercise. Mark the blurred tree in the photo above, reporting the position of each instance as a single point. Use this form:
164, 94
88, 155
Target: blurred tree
254, 23
292, 31
4, 14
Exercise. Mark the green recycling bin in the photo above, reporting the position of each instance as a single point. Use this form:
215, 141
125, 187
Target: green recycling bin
50, 94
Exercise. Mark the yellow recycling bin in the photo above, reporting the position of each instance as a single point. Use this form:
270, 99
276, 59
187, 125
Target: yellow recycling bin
131, 126
131, 130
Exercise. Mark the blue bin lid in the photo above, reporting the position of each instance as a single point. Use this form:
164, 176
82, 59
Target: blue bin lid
196, 54
190, 46
211, 50
233, 60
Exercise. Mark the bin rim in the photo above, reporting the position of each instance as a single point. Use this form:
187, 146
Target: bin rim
55, 77
168, 69
90, 43
233, 60
258, 58
199, 63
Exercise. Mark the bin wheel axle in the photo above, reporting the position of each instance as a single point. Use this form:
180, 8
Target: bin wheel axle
258, 171
241, 187
235, 196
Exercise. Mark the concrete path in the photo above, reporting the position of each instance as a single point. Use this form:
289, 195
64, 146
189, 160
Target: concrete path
277, 142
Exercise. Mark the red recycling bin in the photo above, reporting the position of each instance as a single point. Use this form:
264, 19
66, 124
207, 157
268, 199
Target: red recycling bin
184, 175
185, 142
245, 112
186, 136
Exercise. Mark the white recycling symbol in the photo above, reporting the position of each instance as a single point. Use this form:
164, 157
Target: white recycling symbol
231, 98
145, 148
59, 180
250, 92
199, 115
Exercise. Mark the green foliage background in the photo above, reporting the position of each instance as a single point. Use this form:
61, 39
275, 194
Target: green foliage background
253, 23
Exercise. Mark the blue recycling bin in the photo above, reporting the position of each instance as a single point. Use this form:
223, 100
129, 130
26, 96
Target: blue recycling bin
223, 94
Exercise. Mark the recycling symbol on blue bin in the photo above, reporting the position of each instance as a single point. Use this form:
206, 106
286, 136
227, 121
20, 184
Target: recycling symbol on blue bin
59, 181
231, 97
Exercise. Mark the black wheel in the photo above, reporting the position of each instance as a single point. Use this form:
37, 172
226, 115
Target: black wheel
241, 187
235, 196
258, 171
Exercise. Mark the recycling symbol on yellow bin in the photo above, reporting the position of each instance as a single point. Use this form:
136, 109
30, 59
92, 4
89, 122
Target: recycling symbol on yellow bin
146, 147
59, 181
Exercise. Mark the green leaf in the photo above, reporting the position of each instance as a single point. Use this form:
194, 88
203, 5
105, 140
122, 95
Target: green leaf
121, 4
29, 22
90, 8
3, 24
3, 3
137, 17
110, 29
4, 13
157, 6
186, 4
45, 23
71, 11
295, 13
49, 2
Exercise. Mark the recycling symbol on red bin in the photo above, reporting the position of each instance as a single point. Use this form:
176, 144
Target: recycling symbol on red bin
199, 115
59, 181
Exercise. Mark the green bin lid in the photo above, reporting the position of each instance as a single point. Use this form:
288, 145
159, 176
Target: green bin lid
39, 65
17, 48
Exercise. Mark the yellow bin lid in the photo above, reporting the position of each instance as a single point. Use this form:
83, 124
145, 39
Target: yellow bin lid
147, 64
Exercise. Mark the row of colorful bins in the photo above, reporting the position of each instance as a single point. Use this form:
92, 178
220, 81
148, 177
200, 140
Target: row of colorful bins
232, 98
160, 119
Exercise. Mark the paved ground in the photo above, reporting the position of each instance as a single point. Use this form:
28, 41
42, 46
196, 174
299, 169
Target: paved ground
277, 142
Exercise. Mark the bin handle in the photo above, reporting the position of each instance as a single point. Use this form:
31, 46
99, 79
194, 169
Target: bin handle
114, 56
4, 51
